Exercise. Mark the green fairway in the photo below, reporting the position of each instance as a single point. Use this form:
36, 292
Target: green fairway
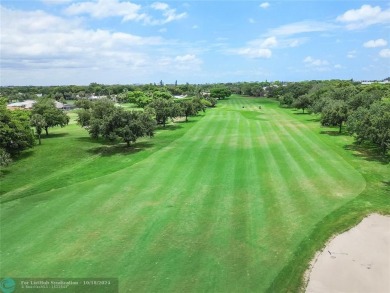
237, 200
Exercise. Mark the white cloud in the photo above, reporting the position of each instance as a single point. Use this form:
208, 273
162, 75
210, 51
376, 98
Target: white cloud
255, 52
180, 62
159, 6
259, 48
37, 39
127, 10
189, 58
54, 2
265, 43
365, 16
38, 47
338, 66
169, 14
316, 64
351, 54
251, 20
264, 5
107, 8
301, 27
385, 53
310, 61
375, 43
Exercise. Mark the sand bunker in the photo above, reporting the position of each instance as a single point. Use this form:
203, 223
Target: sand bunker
355, 261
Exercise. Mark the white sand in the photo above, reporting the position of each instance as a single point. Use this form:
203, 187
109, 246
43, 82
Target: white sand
355, 261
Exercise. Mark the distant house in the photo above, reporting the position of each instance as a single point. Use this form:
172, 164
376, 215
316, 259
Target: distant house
180, 97
59, 105
371, 82
28, 104
93, 97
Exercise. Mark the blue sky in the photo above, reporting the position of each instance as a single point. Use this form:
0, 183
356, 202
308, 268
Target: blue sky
58, 42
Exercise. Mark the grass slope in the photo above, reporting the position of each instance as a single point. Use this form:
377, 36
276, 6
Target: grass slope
238, 201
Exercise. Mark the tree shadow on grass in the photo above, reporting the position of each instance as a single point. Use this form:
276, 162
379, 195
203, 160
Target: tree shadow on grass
54, 135
120, 149
170, 127
24, 155
333, 133
386, 184
4, 172
90, 140
314, 119
368, 152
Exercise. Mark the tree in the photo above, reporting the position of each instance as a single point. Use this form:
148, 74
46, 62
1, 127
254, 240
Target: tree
52, 115
134, 124
188, 108
38, 121
212, 101
334, 114
112, 123
5, 158
15, 131
84, 117
139, 98
363, 99
220, 93
165, 109
371, 125
127, 125
302, 102
286, 99
162, 95
83, 103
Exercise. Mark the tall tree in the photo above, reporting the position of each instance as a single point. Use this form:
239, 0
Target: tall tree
15, 131
52, 115
334, 114
165, 109
38, 121
302, 102
188, 108
371, 125
220, 93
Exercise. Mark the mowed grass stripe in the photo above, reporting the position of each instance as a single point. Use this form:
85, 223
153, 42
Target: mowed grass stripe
277, 198
179, 204
214, 214
292, 172
307, 165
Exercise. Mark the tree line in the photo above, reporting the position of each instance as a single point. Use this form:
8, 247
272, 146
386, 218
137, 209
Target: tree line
362, 110
101, 117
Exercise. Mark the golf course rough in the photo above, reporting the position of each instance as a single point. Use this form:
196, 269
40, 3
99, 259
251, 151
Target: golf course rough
222, 207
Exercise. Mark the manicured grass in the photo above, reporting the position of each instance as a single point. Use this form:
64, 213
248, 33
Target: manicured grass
237, 201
